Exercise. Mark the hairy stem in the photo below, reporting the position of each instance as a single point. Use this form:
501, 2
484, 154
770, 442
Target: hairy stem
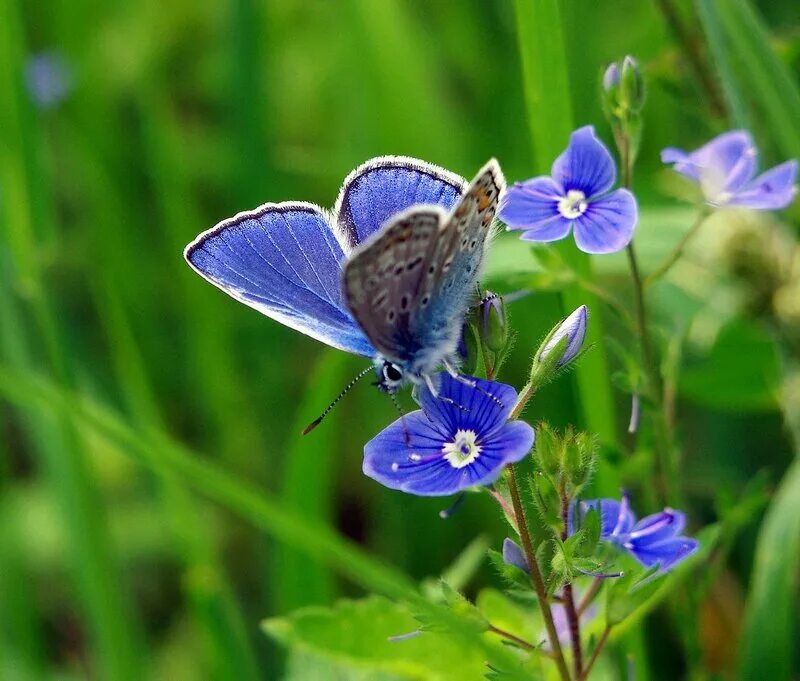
676, 253
569, 599
536, 576
522, 400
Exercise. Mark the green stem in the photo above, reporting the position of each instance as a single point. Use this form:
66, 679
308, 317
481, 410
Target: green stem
536, 575
589, 596
522, 643
596, 653
522, 400
676, 252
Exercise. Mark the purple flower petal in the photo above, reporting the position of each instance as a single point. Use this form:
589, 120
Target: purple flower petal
665, 554
552, 229
616, 518
513, 555
772, 190
658, 527
529, 203
586, 165
608, 224
721, 167
471, 408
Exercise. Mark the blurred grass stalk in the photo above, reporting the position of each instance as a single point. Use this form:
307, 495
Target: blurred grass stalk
113, 630
549, 108
750, 70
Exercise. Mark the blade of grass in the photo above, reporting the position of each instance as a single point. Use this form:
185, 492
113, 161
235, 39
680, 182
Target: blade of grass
113, 631
546, 89
769, 636
252, 503
740, 113
762, 76
309, 487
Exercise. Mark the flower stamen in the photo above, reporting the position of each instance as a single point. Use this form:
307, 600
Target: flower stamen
463, 450
573, 205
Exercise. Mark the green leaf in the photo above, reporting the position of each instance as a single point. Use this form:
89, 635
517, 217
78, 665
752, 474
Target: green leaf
769, 639
357, 633
630, 592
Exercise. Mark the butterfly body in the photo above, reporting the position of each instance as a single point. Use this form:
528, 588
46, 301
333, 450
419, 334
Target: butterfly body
389, 275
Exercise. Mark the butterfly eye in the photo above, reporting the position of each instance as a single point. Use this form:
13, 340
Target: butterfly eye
392, 373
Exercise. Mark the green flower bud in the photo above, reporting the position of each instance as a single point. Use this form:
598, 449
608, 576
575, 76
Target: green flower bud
631, 85
492, 319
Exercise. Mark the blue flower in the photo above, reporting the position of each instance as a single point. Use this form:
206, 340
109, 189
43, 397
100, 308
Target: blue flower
654, 540
725, 168
576, 197
49, 79
459, 439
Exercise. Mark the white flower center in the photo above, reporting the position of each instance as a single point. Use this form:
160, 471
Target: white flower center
462, 451
573, 205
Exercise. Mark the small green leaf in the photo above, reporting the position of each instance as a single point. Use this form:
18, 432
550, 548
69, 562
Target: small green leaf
630, 592
358, 633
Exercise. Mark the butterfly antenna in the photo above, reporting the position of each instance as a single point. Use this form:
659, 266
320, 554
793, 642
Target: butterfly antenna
344, 392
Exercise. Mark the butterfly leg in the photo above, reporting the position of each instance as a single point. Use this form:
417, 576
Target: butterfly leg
437, 395
468, 381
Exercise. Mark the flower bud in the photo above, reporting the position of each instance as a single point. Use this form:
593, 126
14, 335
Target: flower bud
562, 345
468, 349
632, 85
493, 326
611, 77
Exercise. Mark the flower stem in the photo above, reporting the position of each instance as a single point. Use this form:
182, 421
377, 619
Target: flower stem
676, 252
522, 400
569, 599
595, 653
522, 643
536, 575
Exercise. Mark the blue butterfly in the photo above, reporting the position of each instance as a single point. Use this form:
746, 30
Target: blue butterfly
389, 274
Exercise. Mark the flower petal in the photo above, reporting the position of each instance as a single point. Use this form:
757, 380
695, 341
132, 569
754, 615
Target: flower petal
529, 203
586, 165
553, 229
483, 408
616, 518
772, 190
721, 167
510, 443
608, 224
513, 555
658, 527
667, 554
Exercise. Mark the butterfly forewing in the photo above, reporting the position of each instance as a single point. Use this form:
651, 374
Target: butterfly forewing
385, 278
456, 263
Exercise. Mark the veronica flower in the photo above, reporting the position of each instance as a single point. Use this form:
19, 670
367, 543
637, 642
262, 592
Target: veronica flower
458, 439
654, 540
725, 168
578, 197
49, 79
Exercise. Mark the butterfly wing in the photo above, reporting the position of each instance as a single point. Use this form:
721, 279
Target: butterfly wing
384, 277
385, 187
284, 261
455, 266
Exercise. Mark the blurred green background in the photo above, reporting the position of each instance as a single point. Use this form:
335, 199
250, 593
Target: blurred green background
156, 499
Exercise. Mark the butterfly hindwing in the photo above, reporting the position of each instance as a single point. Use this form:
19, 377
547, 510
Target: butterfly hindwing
284, 261
383, 280
384, 187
